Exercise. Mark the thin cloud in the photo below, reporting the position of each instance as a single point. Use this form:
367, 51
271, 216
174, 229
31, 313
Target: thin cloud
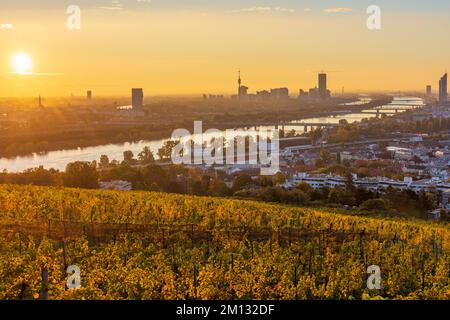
7, 26
115, 5
37, 73
263, 10
338, 10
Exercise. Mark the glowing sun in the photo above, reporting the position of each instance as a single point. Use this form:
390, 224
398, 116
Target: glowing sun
21, 63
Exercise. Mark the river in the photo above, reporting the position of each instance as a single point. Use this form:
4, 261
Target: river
59, 159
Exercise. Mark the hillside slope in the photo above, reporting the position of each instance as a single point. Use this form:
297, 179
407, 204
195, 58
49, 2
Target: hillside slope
138, 245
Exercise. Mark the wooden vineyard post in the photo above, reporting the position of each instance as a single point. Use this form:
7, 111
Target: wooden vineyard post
64, 229
209, 244
63, 245
174, 263
232, 262
435, 248
20, 244
192, 235
423, 273
23, 287
361, 245
195, 281
44, 285
163, 238
48, 229
320, 244
290, 240
207, 251
296, 281
311, 256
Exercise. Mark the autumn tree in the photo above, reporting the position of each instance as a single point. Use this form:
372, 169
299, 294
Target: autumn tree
81, 175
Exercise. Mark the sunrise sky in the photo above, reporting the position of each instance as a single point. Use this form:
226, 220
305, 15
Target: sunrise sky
172, 47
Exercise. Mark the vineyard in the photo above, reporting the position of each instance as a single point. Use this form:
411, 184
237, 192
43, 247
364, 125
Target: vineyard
141, 245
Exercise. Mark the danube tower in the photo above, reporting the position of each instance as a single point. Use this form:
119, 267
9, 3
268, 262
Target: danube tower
239, 84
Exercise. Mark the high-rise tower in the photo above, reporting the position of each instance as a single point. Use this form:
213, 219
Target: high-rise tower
137, 98
323, 92
242, 90
443, 95
239, 84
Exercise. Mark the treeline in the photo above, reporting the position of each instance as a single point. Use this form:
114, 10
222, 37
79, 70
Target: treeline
183, 180
77, 174
391, 202
384, 127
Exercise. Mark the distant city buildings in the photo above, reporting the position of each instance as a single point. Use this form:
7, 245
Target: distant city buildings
375, 184
212, 96
314, 93
279, 93
137, 103
273, 94
137, 98
243, 91
429, 91
443, 95
263, 95
89, 95
320, 92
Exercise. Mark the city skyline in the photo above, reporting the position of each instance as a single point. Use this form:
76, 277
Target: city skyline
193, 47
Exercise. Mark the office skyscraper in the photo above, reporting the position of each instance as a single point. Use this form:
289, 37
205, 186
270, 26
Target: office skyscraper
429, 91
137, 98
323, 91
89, 95
443, 89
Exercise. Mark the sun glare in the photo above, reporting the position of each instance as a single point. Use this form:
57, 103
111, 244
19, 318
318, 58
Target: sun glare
21, 63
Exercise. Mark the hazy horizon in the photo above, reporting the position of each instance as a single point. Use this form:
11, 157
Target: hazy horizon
185, 48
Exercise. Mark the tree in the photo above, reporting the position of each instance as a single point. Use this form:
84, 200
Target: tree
154, 187
165, 152
304, 187
35, 176
128, 156
325, 155
219, 189
154, 174
264, 181
278, 178
339, 195
104, 161
198, 189
426, 201
374, 204
81, 175
242, 181
349, 182
146, 155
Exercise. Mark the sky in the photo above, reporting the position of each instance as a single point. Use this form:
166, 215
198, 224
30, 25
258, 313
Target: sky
178, 47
